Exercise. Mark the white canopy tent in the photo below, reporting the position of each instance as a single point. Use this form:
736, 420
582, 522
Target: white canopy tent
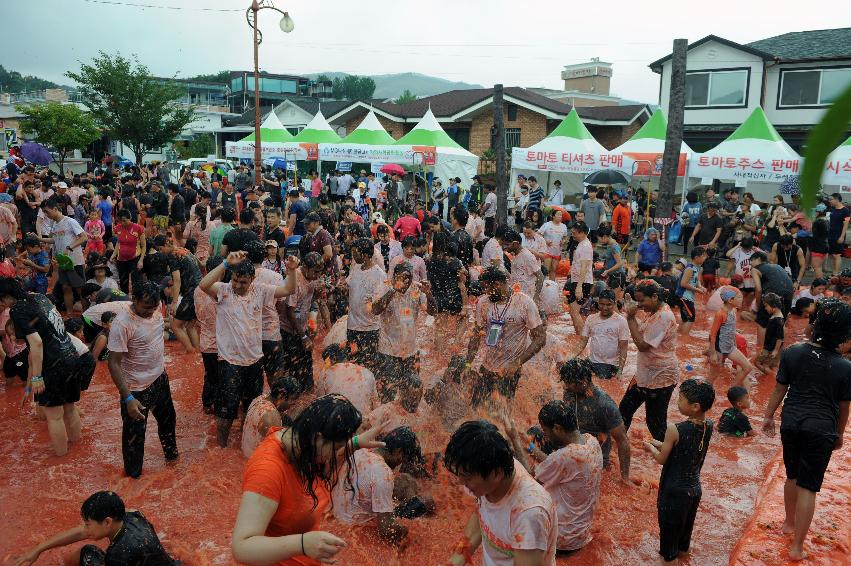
837, 170
273, 136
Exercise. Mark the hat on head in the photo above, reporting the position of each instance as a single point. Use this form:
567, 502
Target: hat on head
727, 294
361, 185
271, 243
99, 264
821, 207
62, 185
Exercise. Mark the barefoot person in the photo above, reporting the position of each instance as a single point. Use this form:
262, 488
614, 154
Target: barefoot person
136, 364
52, 380
239, 335
815, 381
287, 483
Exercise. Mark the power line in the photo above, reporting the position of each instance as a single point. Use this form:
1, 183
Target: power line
138, 5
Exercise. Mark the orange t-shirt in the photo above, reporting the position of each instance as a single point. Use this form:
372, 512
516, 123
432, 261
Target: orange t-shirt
621, 220
269, 473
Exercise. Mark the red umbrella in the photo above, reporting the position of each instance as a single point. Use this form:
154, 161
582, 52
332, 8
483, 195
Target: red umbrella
392, 168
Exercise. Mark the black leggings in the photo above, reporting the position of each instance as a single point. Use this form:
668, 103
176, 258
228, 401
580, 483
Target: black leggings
127, 271
676, 522
655, 406
211, 379
156, 399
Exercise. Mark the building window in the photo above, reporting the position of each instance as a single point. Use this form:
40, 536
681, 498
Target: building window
512, 112
236, 85
812, 87
716, 88
512, 138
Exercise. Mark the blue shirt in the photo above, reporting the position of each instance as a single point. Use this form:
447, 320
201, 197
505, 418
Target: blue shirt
300, 209
693, 210
105, 208
649, 253
41, 259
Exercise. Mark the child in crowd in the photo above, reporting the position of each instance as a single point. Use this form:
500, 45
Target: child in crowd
722, 335
811, 294
710, 269
689, 284
769, 358
734, 421
95, 230
39, 263
99, 350
682, 454
668, 281
272, 261
15, 353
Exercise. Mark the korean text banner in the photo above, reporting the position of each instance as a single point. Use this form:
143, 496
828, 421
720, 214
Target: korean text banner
563, 161
744, 167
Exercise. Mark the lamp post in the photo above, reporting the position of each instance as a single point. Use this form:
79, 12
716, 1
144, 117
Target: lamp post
287, 26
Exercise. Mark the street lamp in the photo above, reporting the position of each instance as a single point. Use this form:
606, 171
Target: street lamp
287, 26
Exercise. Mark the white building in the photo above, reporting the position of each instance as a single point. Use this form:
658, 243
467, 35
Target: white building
794, 77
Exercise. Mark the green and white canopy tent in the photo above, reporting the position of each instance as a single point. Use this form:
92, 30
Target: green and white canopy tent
755, 152
837, 170
273, 136
648, 145
568, 154
426, 142
317, 131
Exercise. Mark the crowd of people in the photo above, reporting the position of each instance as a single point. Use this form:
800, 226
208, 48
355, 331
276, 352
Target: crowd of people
307, 304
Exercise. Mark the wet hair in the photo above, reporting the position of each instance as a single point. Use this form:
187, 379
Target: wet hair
558, 413
607, 294
312, 260
124, 214
500, 231
439, 243
243, 269
11, 287
311, 217
191, 244
30, 240
735, 394
697, 251
89, 288
403, 267
336, 419
335, 353
650, 288
832, 323
786, 240
748, 243
102, 505
576, 371
364, 246
477, 448
772, 300
512, 236
160, 241
818, 282
107, 317
760, 255
580, 226
228, 214
255, 250
408, 241
493, 275
691, 197
73, 325
460, 214
146, 291
698, 391
666, 266
404, 439
284, 387
604, 231
201, 213
355, 230
383, 229
804, 303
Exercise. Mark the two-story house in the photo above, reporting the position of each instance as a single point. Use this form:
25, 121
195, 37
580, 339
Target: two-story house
794, 77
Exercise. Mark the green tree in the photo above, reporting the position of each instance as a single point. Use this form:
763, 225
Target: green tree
406, 96
131, 105
365, 88
13, 81
201, 146
61, 127
322, 78
337, 89
220, 77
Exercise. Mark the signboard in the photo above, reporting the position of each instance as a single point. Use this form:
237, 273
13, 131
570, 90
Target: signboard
376, 167
344, 166
589, 71
11, 137
564, 162
750, 168
643, 169
361, 153
429, 154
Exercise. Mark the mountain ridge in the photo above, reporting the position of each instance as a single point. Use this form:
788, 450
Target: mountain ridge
392, 85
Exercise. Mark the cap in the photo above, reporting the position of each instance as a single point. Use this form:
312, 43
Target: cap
361, 185
727, 294
62, 185
821, 207
271, 243
737, 278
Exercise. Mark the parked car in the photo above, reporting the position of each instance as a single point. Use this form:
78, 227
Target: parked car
196, 163
121, 161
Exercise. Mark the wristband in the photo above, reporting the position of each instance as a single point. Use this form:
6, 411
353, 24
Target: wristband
129, 398
37, 379
355, 443
225, 265
28, 390
531, 448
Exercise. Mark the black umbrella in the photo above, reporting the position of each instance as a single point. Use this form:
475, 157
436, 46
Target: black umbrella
606, 177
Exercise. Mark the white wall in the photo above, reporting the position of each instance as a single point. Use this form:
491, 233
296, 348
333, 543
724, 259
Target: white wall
790, 116
713, 55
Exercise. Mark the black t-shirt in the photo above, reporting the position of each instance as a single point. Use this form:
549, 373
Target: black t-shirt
443, 276
110, 296
774, 279
190, 274
36, 313
465, 246
236, 239
837, 218
773, 333
733, 421
708, 227
137, 544
818, 381
710, 266
597, 415
278, 236
156, 267
159, 203
178, 209
681, 472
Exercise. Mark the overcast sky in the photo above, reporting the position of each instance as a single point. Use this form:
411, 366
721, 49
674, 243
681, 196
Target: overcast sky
478, 41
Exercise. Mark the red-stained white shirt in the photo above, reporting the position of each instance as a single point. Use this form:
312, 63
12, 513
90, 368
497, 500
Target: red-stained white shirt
352, 381
141, 342
520, 316
372, 480
658, 367
397, 334
239, 322
205, 312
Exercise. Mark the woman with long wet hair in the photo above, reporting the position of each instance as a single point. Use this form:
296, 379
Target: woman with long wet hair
287, 482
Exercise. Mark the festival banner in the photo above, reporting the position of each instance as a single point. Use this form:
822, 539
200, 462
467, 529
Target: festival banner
745, 167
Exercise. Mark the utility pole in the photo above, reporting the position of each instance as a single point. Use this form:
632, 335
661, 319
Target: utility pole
674, 135
498, 145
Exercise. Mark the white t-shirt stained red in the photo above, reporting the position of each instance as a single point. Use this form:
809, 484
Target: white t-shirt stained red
520, 316
141, 342
239, 322
584, 252
603, 336
372, 480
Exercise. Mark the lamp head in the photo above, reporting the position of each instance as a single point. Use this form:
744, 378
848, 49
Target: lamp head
287, 24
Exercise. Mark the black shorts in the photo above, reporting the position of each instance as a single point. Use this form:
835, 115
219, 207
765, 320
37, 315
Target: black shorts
61, 385
85, 369
604, 371
687, 310
488, 381
806, 456
74, 278
647, 267
570, 287
272, 359
616, 280
186, 309
363, 348
296, 361
91, 555
338, 198
762, 316
834, 248
676, 521
18, 364
237, 384
395, 373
